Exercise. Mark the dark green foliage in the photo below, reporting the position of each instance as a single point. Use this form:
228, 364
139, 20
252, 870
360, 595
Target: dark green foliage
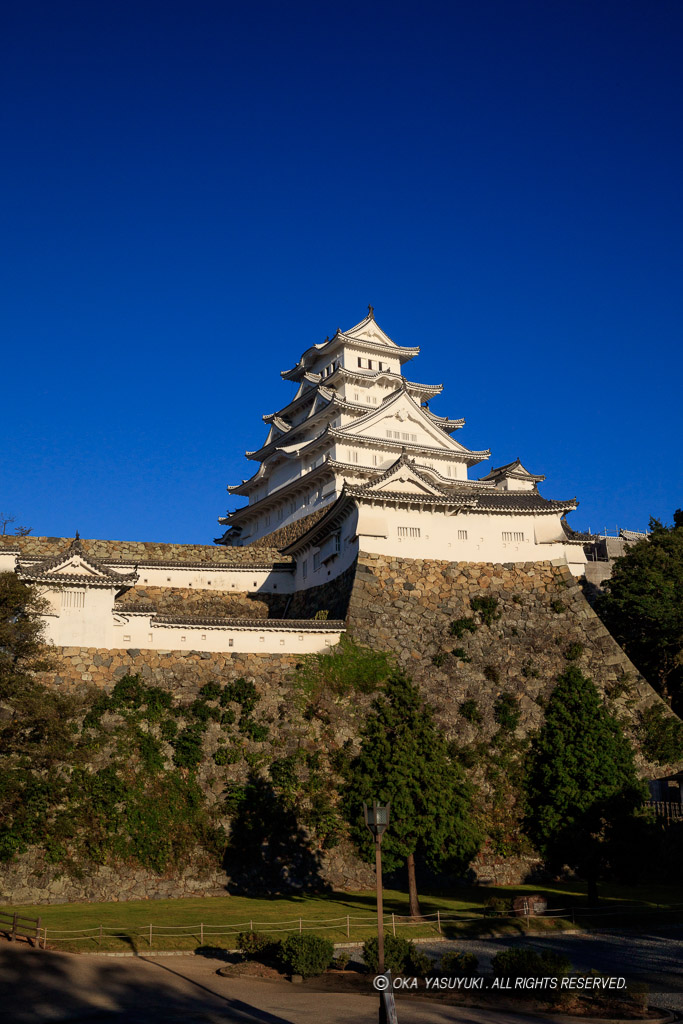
581, 783
496, 906
346, 668
404, 759
506, 712
643, 610
241, 691
284, 773
662, 735
557, 605
187, 752
211, 691
469, 709
517, 599
255, 944
307, 955
168, 729
252, 730
460, 965
203, 712
227, 755
491, 673
459, 627
228, 717
396, 953
419, 964
529, 670
526, 962
461, 654
573, 652
439, 659
487, 607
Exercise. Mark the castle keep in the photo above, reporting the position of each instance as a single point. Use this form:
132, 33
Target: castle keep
354, 464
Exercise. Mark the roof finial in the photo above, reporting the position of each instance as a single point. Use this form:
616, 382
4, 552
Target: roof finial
78, 536
371, 312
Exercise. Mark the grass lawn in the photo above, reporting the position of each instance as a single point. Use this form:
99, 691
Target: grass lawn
177, 924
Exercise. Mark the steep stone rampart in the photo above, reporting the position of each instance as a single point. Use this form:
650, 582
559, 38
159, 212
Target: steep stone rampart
201, 603
541, 617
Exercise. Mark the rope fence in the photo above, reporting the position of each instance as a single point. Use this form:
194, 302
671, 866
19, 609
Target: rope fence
344, 924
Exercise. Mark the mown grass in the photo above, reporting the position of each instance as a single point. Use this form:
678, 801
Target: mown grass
176, 923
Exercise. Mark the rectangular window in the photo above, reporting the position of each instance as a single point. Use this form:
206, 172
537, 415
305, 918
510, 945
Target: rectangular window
409, 531
316, 561
369, 364
292, 508
512, 536
374, 460
462, 534
304, 568
73, 599
360, 361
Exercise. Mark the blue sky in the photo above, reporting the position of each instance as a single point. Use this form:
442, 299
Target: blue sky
193, 193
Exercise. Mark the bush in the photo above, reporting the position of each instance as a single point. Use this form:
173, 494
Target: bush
396, 953
306, 955
188, 746
253, 944
487, 608
460, 965
460, 626
663, 735
573, 652
491, 673
506, 712
461, 654
469, 709
526, 962
419, 964
496, 905
439, 659
557, 606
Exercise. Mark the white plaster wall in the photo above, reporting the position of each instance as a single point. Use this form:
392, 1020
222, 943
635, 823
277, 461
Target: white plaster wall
255, 581
139, 631
73, 626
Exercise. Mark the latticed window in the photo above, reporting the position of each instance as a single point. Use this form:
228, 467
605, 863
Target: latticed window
409, 531
512, 536
462, 534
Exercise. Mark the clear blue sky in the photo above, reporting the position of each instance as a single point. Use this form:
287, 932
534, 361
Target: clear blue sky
193, 193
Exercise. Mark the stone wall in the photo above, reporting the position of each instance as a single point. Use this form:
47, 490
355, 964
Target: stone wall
286, 534
142, 551
202, 603
406, 606
332, 597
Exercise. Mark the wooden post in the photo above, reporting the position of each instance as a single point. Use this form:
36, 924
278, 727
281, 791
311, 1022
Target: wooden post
251, 926
150, 934
99, 941
13, 933
348, 927
45, 939
393, 923
438, 920
38, 924
300, 926
201, 934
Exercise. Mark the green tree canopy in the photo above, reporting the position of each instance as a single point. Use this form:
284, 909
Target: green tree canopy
581, 782
643, 609
403, 759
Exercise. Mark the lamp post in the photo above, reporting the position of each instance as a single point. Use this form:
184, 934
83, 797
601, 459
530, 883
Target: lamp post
377, 820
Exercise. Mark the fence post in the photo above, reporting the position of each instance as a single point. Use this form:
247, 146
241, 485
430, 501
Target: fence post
150, 934
438, 920
99, 941
251, 926
45, 938
348, 927
38, 924
300, 926
393, 923
201, 934
13, 933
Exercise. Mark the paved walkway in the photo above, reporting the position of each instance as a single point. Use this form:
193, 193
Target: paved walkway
39, 987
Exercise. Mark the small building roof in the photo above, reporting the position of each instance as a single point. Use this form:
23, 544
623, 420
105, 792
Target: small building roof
73, 568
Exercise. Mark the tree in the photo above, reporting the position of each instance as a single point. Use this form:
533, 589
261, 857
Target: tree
581, 783
5, 521
23, 531
642, 607
404, 759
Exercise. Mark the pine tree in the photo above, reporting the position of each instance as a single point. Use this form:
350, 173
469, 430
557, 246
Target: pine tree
404, 759
642, 607
581, 782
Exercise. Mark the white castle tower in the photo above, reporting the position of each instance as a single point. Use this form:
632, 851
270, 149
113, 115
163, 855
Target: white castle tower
359, 442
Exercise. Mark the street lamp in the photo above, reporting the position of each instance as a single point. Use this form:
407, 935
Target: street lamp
377, 820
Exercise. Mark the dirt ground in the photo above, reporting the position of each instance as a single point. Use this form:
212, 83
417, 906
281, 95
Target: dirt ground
43, 987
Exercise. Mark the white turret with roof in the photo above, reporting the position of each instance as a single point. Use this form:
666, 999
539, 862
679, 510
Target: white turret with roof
359, 437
